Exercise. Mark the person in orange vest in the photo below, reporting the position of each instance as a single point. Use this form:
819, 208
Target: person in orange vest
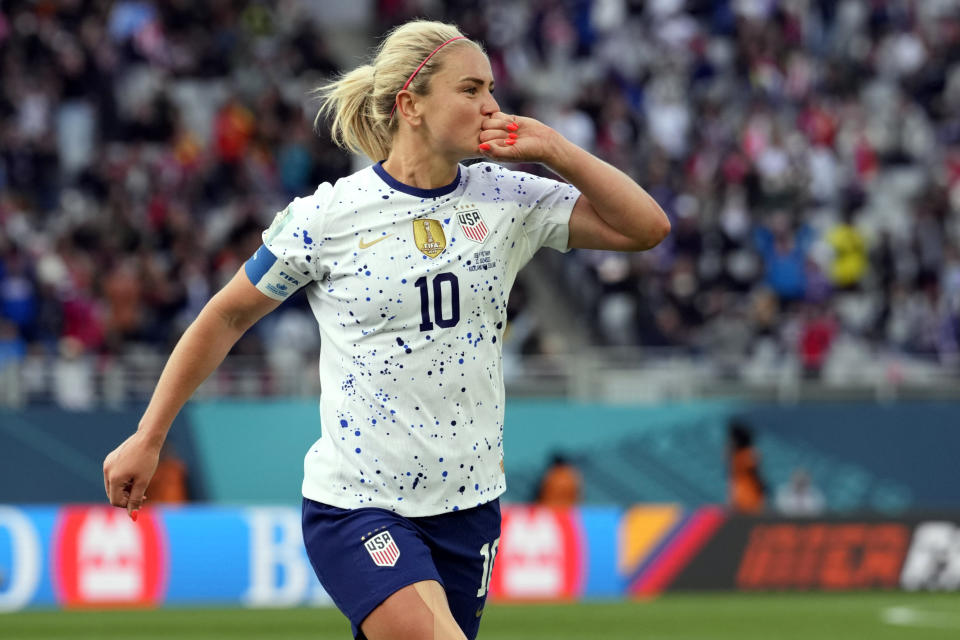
747, 489
169, 482
560, 484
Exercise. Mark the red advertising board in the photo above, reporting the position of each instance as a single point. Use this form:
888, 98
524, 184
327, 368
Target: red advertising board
101, 558
912, 552
541, 555
823, 555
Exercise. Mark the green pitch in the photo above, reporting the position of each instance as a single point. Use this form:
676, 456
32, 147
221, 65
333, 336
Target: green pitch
679, 617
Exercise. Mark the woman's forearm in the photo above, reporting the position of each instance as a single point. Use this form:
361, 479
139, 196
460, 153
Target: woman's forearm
198, 353
127, 470
623, 204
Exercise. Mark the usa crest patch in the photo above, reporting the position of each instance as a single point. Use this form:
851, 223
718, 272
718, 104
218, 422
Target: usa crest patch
383, 549
472, 225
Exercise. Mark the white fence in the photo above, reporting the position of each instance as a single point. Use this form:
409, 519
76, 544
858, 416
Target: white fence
595, 375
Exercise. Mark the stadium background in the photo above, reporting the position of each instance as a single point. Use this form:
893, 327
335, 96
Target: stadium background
808, 155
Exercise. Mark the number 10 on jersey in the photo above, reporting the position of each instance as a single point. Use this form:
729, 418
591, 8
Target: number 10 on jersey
426, 324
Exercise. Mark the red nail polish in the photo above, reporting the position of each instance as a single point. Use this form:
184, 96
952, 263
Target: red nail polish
509, 141
485, 147
512, 136
513, 126
134, 514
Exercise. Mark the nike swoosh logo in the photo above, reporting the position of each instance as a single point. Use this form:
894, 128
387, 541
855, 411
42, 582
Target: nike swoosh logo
479, 612
364, 245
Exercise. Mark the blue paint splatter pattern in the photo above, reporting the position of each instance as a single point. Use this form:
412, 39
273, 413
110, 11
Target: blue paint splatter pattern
412, 400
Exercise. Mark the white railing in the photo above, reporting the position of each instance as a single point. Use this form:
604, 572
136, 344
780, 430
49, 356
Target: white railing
631, 375
621, 375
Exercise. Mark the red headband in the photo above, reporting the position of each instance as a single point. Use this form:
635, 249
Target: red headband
417, 70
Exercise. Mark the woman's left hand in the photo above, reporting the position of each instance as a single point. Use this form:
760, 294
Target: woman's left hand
517, 139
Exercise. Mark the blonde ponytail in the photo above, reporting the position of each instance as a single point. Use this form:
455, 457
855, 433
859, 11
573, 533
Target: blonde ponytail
360, 102
350, 103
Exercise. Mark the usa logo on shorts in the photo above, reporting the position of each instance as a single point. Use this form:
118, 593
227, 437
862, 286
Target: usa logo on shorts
383, 549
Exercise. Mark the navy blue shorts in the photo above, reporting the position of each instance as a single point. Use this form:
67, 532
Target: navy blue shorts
362, 556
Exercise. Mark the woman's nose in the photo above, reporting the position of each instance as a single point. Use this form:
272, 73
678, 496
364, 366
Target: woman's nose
490, 106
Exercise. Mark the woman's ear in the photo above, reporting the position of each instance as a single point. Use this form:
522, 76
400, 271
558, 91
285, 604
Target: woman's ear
408, 107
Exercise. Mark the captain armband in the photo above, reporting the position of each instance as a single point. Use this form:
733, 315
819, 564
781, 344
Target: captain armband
272, 277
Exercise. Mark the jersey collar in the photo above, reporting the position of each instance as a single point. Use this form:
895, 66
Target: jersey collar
416, 191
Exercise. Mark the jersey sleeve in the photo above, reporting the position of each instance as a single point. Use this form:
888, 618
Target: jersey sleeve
546, 206
290, 255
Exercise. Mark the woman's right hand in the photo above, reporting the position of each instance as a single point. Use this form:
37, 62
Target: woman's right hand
127, 471
513, 138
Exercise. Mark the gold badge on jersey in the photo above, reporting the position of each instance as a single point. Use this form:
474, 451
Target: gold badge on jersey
428, 235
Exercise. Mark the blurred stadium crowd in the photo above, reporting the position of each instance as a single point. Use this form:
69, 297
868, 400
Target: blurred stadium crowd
807, 152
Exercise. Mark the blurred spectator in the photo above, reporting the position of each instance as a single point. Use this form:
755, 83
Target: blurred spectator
561, 483
817, 331
799, 497
12, 345
73, 376
849, 264
784, 252
808, 151
748, 490
13, 349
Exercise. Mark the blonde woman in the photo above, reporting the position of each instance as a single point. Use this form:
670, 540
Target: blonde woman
408, 264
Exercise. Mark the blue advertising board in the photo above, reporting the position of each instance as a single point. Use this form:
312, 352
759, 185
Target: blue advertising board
82, 556
96, 557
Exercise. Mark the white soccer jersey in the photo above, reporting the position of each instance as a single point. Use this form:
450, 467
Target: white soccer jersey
409, 287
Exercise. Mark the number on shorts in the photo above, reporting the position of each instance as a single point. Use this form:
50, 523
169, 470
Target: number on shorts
489, 553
